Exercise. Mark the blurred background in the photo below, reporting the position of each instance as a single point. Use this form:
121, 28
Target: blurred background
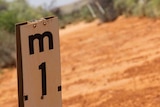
110, 51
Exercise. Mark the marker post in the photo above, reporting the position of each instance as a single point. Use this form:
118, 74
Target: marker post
38, 63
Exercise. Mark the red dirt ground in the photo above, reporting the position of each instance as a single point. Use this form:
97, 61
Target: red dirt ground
114, 64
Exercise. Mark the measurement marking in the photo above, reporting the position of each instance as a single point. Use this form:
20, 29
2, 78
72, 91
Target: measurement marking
59, 88
26, 98
42, 67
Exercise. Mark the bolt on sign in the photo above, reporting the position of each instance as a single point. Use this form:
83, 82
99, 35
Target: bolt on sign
38, 63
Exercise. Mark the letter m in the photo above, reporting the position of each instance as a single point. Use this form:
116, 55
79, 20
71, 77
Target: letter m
41, 41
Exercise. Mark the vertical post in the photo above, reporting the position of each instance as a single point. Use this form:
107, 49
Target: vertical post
91, 10
38, 63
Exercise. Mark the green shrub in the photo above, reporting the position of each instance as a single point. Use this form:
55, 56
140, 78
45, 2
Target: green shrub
8, 20
85, 14
152, 8
7, 49
125, 6
149, 8
19, 11
14, 12
78, 15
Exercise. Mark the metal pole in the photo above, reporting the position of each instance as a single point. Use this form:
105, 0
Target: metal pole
91, 10
100, 8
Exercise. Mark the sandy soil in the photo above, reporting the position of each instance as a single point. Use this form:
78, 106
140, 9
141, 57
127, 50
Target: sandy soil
114, 64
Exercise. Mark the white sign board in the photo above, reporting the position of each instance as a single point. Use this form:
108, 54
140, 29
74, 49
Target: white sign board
38, 63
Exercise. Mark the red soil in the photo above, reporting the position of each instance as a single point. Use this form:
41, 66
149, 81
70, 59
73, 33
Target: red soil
114, 64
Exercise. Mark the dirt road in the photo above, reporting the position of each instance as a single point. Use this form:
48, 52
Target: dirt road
114, 64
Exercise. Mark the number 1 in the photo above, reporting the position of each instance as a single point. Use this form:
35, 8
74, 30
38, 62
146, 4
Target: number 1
42, 67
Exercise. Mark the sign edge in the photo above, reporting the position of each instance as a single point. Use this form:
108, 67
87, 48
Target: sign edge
19, 65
